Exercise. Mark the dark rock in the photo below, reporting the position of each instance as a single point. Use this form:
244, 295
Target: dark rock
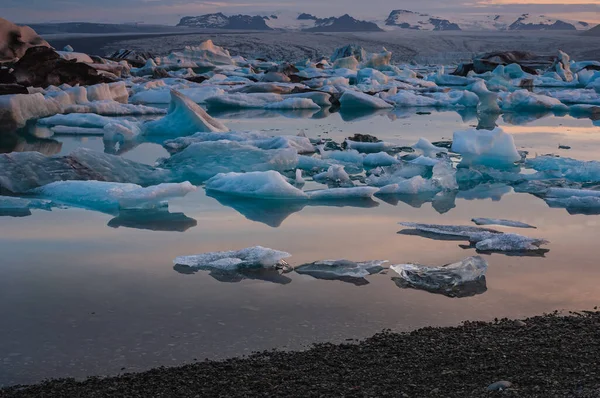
160, 73
364, 138
197, 79
6, 77
12, 89
42, 67
463, 69
15, 40
135, 58
529, 62
499, 385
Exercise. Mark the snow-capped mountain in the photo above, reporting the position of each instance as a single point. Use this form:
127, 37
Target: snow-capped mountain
405, 19
345, 23
221, 21
411, 20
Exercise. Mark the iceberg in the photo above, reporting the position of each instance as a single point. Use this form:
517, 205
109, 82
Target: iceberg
163, 95
413, 186
484, 147
524, 101
429, 150
576, 201
451, 99
571, 169
22, 171
251, 257
383, 176
293, 103
368, 147
17, 109
344, 270
483, 239
203, 160
334, 194
263, 185
110, 196
373, 160
461, 279
256, 139
354, 99
498, 221
185, 117
335, 175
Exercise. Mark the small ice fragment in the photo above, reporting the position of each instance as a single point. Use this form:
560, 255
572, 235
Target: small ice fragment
510, 243
485, 147
461, 279
344, 270
251, 257
498, 221
428, 149
355, 99
335, 175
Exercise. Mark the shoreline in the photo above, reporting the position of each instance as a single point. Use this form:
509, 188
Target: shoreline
545, 356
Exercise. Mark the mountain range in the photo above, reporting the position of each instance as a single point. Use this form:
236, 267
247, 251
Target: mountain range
397, 19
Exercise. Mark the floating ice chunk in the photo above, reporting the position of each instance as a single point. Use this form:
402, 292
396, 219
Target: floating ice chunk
423, 161
379, 159
354, 99
299, 181
77, 57
491, 148
523, 101
584, 201
251, 257
461, 279
571, 169
334, 175
108, 92
413, 186
342, 193
483, 238
378, 60
488, 100
563, 67
444, 175
428, 149
453, 99
293, 103
87, 120
497, 221
184, 118
349, 157
510, 243
579, 96
107, 196
442, 79
163, 96
264, 185
370, 75
458, 231
203, 160
112, 108
205, 53
259, 140
571, 192
22, 171
17, 109
393, 174
243, 101
346, 63
369, 147
341, 269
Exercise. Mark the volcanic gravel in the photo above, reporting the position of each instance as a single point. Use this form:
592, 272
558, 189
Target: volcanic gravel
546, 356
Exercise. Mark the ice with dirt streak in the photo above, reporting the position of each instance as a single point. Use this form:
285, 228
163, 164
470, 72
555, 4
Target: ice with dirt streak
335, 269
460, 279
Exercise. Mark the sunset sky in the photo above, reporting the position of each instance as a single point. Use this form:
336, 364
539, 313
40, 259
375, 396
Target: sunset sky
170, 11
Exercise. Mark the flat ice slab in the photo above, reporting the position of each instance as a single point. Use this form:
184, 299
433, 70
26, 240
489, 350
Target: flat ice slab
498, 221
251, 257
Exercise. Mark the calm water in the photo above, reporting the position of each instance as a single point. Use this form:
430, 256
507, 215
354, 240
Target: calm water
85, 293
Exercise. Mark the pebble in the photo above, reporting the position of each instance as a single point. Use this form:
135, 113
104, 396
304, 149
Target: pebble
499, 385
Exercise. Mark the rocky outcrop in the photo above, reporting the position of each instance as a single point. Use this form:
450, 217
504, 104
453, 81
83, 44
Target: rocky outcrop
43, 67
16, 40
345, 23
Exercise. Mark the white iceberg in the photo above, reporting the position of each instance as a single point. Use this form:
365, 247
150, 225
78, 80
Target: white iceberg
184, 118
263, 185
107, 196
491, 148
334, 175
524, 101
373, 160
357, 100
251, 257
201, 161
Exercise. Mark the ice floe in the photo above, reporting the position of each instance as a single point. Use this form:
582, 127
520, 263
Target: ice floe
498, 221
461, 279
343, 270
251, 257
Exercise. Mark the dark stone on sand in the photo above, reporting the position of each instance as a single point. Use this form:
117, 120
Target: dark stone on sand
554, 356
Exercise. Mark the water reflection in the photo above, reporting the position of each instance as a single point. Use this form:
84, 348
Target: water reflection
265, 275
467, 289
21, 141
159, 219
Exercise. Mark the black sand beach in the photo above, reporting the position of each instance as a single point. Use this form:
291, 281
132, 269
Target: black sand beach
545, 356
